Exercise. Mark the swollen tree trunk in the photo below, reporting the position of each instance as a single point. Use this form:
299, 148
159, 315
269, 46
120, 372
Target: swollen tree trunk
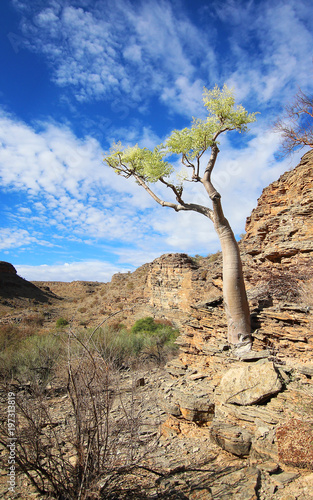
234, 291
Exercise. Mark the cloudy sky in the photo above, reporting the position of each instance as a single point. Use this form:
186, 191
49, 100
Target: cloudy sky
78, 74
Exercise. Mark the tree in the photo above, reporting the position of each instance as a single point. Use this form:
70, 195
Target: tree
151, 166
296, 126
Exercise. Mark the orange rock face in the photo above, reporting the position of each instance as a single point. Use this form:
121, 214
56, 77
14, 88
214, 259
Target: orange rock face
281, 225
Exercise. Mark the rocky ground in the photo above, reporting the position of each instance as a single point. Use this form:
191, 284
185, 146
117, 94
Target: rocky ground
186, 460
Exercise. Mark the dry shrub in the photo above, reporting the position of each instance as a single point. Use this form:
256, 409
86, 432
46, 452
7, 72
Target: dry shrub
99, 434
28, 358
284, 282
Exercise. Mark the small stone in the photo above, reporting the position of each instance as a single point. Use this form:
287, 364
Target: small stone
270, 467
285, 477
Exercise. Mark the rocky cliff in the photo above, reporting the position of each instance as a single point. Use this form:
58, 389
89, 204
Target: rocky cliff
281, 225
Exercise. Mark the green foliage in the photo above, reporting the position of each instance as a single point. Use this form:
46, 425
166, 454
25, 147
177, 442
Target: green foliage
147, 336
30, 359
221, 107
61, 322
190, 143
131, 160
146, 325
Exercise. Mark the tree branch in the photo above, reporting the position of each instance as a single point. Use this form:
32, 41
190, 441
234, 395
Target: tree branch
206, 179
188, 164
180, 206
177, 191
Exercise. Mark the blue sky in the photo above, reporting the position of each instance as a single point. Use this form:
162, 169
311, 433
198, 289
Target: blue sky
78, 74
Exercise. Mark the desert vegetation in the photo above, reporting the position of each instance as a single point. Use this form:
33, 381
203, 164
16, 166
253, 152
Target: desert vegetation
28, 357
101, 432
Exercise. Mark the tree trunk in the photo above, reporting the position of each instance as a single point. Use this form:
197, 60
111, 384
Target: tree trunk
234, 291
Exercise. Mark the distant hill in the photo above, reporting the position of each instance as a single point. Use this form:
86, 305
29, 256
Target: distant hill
18, 292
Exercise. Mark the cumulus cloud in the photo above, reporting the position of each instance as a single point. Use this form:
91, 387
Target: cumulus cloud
15, 238
92, 270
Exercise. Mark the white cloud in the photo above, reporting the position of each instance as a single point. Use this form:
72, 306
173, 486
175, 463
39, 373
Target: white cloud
271, 48
128, 51
53, 160
67, 189
92, 270
15, 238
184, 97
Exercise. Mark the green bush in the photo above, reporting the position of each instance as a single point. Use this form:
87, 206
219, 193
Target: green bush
146, 325
61, 322
147, 339
33, 359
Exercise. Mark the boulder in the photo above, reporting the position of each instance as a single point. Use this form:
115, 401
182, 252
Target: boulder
231, 438
195, 407
248, 384
241, 484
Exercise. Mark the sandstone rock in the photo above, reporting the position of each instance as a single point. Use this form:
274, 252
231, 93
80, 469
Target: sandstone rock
264, 446
284, 478
231, 438
255, 355
295, 443
249, 384
195, 407
300, 489
281, 226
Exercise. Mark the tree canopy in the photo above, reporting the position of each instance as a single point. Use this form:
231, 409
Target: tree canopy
150, 166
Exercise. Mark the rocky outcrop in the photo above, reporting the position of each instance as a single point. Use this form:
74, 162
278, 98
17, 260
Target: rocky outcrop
281, 224
7, 268
170, 282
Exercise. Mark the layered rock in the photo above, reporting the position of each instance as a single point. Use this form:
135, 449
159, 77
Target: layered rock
281, 224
